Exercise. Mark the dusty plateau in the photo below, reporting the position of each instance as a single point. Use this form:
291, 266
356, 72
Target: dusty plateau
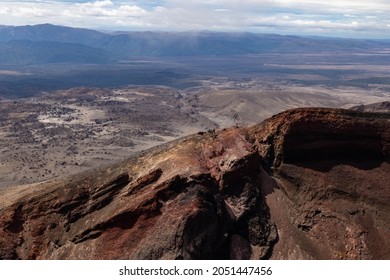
68, 131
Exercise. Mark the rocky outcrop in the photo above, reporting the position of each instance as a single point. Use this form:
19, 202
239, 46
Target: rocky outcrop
304, 184
332, 173
380, 107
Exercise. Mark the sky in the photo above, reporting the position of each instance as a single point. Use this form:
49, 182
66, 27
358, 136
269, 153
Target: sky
336, 18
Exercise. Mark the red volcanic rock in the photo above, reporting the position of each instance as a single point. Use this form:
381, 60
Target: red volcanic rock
304, 184
332, 171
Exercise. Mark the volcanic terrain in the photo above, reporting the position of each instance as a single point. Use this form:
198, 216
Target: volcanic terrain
304, 184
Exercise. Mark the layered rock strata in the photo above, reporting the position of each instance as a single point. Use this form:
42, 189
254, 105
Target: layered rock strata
304, 184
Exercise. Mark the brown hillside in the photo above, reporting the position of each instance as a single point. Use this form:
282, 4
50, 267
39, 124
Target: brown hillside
304, 184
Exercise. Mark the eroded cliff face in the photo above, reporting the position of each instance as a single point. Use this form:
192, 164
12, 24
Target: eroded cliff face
307, 183
332, 173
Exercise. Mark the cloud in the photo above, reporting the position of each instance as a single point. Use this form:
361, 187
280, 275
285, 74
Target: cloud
97, 4
107, 8
353, 18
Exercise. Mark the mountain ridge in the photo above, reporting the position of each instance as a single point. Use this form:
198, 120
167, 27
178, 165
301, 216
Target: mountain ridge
27, 52
304, 184
165, 44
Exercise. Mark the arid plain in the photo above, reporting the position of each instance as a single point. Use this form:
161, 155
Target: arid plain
60, 132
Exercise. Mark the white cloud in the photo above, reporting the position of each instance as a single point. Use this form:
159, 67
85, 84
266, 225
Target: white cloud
97, 4
26, 11
107, 9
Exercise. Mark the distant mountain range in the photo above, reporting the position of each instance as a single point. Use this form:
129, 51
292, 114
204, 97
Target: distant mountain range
46, 43
37, 52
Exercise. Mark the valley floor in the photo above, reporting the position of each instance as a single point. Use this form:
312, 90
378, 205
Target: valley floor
68, 131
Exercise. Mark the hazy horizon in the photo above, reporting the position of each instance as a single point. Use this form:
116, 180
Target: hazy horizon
344, 19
